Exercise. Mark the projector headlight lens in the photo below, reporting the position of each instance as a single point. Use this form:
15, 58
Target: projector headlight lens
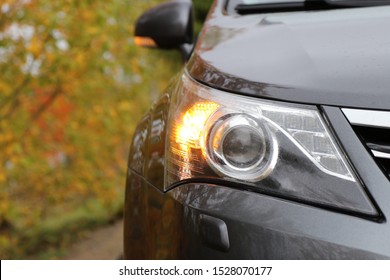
239, 145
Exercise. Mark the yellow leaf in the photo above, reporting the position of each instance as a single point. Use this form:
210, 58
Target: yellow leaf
4, 88
124, 106
2, 177
35, 47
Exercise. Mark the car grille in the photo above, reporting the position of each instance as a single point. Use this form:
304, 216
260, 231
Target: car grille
373, 128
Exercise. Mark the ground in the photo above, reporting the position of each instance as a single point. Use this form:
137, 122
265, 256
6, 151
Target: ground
103, 244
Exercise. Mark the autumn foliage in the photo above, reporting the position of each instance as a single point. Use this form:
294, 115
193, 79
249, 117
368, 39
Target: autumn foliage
72, 87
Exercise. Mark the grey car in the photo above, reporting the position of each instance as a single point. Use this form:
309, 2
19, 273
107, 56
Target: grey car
274, 140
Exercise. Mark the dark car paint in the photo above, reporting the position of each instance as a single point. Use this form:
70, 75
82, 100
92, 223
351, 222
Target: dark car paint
153, 23
332, 57
170, 225
259, 226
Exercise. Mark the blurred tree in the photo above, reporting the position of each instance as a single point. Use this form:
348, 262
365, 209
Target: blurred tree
72, 87
201, 9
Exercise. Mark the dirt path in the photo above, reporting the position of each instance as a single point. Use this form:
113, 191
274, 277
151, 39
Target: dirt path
103, 244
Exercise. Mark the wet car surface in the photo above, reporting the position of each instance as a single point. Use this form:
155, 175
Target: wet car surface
273, 143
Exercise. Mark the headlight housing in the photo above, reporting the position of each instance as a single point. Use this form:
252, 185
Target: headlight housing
277, 148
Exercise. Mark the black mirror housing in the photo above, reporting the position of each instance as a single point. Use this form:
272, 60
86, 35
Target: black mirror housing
167, 26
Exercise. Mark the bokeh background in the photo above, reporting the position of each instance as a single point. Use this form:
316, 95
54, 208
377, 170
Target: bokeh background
72, 87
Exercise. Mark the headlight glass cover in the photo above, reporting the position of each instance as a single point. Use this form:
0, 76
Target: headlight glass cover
278, 148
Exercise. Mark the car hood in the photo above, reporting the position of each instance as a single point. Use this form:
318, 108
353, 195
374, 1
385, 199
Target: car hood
335, 57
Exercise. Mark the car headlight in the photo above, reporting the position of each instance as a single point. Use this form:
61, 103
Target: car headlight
271, 147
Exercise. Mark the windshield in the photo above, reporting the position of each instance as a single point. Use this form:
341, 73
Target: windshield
258, 6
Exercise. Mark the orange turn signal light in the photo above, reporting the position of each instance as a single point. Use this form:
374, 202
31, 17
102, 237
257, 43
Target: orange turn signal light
145, 42
193, 121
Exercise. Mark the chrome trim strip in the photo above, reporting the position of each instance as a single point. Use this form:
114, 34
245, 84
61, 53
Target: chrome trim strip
368, 117
380, 154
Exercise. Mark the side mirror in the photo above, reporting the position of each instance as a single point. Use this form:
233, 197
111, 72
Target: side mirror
167, 26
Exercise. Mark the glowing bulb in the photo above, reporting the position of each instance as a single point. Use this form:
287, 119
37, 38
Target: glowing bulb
189, 131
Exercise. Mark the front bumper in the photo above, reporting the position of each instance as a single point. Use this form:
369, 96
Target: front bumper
263, 227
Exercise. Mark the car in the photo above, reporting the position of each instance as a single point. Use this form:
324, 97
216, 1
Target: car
273, 142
